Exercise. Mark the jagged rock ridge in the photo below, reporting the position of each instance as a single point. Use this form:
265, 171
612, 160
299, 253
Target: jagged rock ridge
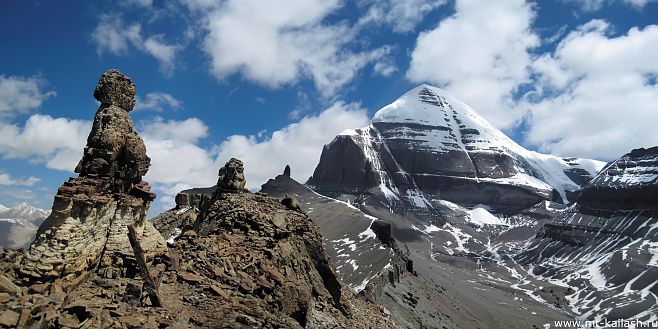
90, 214
262, 259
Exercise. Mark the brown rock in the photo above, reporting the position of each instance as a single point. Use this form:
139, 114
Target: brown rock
9, 318
7, 286
117, 89
190, 277
130, 321
91, 213
39, 288
68, 320
25, 314
291, 202
231, 176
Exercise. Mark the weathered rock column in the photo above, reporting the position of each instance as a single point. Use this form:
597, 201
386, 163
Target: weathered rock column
88, 226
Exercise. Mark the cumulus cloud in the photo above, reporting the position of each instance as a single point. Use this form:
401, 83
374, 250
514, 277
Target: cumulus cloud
402, 15
481, 54
177, 161
5, 179
19, 95
298, 145
157, 101
58, 142
164, 53
275, 43
598, 93
114, 36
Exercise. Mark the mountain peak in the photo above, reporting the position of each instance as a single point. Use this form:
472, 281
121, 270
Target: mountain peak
428, 140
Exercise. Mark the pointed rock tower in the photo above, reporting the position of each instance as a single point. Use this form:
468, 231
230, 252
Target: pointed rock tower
87, 229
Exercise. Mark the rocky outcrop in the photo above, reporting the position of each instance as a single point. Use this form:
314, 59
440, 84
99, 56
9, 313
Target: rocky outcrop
259, 262
349, 236
194, 197
90, 214
629, 182
231, 177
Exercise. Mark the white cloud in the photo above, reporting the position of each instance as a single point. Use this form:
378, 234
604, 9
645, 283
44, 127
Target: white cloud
298, 145
188, 131
5, 179
402, 15
112, 35
163, 52
57, 142
599, 93
480, 54
19, 194
157, 101
20, 94
140, 3
593, 5
275, 43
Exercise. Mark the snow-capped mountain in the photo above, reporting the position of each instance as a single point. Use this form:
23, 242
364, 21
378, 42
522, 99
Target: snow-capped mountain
429, 145
19, 224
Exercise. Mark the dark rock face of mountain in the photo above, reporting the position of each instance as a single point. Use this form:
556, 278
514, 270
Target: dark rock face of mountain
626, 183
395, 270
91, 213
429, 145
359, 251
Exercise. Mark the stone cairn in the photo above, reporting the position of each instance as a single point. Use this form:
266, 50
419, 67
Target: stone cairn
231, 177
88, 227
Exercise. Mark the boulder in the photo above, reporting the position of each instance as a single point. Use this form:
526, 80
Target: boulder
231, 176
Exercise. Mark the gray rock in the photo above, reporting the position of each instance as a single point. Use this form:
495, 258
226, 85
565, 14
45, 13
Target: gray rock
231, 176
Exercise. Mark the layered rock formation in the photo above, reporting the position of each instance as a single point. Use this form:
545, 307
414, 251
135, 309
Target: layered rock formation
629, 182
429, 145
90, 214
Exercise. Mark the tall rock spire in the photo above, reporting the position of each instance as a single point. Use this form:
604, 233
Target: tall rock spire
91, 213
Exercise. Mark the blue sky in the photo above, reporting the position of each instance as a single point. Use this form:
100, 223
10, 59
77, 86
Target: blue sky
272, 81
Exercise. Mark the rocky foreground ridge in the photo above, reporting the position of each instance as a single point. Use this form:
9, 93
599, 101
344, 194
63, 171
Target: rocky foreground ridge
247, 260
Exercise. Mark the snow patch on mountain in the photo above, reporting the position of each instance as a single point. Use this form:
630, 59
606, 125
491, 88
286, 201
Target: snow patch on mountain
456, 126
481, 216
